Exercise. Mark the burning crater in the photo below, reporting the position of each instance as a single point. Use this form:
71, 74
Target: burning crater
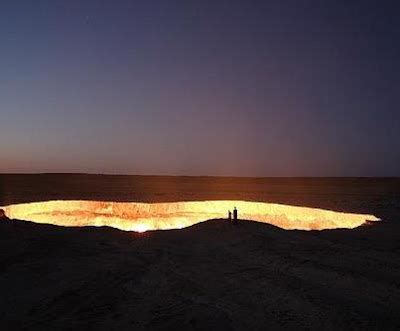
140, 217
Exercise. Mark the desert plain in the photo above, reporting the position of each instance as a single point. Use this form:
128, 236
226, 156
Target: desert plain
212, 275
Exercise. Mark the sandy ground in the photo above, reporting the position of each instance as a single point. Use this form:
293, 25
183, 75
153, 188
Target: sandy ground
209, 276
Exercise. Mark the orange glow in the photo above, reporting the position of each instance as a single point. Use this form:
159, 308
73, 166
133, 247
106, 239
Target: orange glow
141, 217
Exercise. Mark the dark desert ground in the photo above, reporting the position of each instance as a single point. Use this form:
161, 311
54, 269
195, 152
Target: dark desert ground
209, 276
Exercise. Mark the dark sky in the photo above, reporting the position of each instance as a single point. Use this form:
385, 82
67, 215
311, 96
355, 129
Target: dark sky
244, 88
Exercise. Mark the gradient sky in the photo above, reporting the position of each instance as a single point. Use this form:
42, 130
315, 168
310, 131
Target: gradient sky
243, 88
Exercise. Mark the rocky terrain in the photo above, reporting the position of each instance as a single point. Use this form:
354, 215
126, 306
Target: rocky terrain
213, 275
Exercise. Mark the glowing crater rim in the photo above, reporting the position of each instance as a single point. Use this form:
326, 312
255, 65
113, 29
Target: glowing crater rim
141, 217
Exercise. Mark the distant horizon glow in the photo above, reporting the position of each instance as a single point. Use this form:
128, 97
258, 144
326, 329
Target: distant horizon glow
217, 88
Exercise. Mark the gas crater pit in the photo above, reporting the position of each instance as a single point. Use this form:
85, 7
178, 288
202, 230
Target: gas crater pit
140, 217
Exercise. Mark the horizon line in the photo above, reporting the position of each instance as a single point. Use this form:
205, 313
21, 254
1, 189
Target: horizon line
194, 176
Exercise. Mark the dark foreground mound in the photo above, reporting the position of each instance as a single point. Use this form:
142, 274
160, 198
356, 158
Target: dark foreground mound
207, 277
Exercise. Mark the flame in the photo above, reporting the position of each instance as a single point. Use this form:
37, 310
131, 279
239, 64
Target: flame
142, 227
141, 217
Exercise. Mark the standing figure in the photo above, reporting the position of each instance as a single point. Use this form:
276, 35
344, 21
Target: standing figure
3, 215
229, 216
235, 215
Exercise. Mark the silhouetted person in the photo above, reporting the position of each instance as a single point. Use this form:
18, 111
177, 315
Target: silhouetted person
229, 216
3, 215
235, 215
